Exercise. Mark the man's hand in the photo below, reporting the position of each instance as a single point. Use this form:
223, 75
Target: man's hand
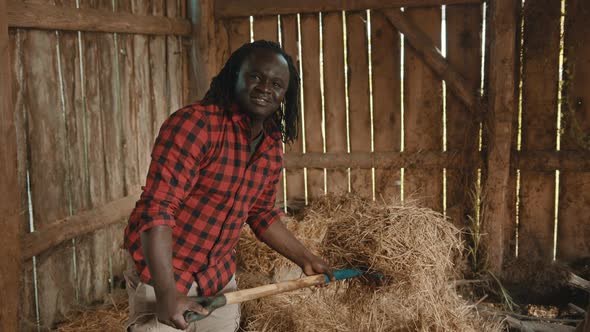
279, 238
316, 265
170, 309
170, 304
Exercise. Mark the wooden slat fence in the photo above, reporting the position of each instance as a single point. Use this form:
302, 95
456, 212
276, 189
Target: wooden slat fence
88, 106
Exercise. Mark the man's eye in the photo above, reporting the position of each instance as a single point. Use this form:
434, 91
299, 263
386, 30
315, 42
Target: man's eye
255, 77
277, 85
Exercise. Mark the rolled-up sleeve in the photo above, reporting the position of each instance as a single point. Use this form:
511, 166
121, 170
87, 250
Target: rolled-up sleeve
181, 145
263, 213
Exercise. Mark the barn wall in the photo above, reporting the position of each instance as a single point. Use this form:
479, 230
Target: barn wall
400, 105
354, 100
88, 106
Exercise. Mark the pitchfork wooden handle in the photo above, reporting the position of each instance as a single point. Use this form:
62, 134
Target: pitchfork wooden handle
213, 302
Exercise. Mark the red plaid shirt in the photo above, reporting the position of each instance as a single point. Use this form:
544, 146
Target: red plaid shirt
204, 185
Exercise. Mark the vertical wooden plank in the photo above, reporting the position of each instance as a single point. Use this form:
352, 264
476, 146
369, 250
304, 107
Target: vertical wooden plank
239, 33
334, 92
540, 75
92, 265
209, 46
387, 96
10, 205
175, 62
184, 42
312, 107
128, 104
464, 55
142, 90
111, 126
157, 45
266, 28
26, 308
48, 167
295, 182
423, 112
574, 200
498, 206
73, 107
358, 94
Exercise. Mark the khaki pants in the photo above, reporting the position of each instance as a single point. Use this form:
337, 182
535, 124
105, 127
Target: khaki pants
142, 305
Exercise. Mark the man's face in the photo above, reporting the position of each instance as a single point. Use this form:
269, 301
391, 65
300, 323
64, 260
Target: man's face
262, 83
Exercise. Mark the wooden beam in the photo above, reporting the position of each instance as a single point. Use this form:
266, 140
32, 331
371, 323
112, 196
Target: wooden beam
41, 16
542, 161
465, 91
209, 47
71, 227
10, 193
498, 207
241, 8
367, 160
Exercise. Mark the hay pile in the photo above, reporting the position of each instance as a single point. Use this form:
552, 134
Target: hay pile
414, 247
107, 317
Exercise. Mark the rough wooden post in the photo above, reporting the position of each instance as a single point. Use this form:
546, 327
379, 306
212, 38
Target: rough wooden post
9, 202
498, 216
209, 47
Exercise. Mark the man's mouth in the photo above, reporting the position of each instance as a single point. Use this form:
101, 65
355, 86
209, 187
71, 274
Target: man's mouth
261, 101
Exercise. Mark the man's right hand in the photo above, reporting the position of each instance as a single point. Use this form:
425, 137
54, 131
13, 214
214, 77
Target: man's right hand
170, 309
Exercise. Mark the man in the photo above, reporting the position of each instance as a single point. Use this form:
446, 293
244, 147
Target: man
215, 165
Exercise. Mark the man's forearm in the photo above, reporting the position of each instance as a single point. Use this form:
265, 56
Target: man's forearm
279, 238
157, 249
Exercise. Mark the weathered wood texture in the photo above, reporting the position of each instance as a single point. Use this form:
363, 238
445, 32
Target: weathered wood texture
464, 23
26, 308
239, 8
550, 160
175, 60
10, 204
71, 227
51, 17
574, 199
360, 123
423, 112
540, 75
294, 177
334, 96
386, 62
420, 160
86, 118
312, 105
209, 47
267, 28
498, 207
48, 169
427, 46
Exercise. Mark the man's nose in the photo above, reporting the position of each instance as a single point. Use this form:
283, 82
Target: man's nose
263, 85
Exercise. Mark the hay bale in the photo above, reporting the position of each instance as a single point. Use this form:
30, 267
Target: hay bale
413, 247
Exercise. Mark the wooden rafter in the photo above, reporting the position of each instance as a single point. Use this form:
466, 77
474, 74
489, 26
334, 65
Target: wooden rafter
41, 16
241, 8
465, 91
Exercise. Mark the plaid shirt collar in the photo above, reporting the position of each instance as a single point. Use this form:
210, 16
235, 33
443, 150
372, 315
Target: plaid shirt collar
270, 127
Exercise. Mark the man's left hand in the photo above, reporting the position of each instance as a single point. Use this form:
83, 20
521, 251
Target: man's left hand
315, 265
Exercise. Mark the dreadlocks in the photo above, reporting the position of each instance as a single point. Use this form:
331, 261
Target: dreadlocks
221, 91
